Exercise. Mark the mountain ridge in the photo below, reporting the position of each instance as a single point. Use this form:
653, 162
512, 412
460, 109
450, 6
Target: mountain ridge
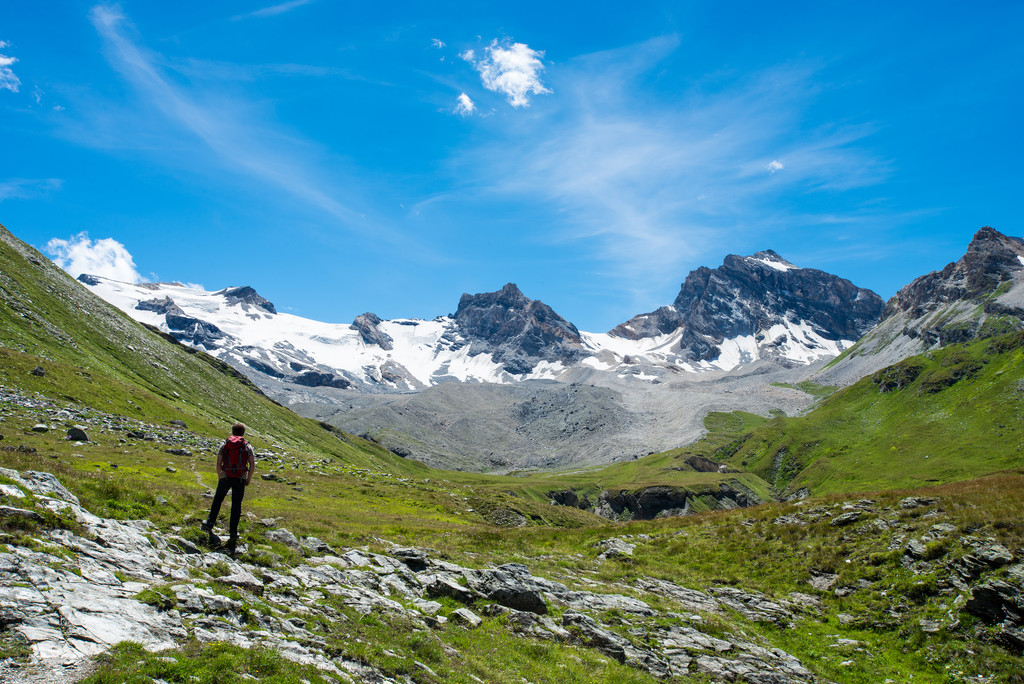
506, 337
978, 296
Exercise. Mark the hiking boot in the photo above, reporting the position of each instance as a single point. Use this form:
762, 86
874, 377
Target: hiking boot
214, 540
206, 527
230, 546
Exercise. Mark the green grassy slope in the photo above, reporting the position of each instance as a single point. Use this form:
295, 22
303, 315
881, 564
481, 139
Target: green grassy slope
951, 415
101, 368
92, 354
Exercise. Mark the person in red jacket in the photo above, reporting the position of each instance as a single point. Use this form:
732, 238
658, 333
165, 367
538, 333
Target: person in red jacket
236, 462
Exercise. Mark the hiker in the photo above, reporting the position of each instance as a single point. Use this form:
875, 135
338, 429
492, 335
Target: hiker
235, 464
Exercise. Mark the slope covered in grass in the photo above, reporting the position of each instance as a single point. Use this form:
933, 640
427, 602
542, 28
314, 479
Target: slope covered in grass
950, 415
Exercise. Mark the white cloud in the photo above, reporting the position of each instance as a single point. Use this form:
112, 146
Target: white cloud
106, 257
468, 55
512, 70
8, 79
465, 106
437, 42
648, 190
775, 165
273, 10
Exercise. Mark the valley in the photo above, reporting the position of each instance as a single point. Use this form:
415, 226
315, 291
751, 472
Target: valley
782, 530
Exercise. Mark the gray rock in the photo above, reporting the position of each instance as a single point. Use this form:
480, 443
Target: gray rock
997, 601
915, 549
78, 434
752, 605
439, 586
823, 581
616, 548
11, 512
285, 537
40, 427
466, 618
846, 518
510, 585
690, 599
917, 502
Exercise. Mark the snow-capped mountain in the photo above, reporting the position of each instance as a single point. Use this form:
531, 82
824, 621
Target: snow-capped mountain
748, 309
751, 308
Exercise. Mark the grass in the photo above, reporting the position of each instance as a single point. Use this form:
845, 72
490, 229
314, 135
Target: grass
947, 422
951, 415
217, 663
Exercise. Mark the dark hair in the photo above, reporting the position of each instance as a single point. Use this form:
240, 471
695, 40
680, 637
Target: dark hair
238, 429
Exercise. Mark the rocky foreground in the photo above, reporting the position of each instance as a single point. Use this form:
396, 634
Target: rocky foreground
73, 595
73, 584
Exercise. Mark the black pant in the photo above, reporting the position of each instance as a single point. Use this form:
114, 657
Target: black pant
237, 487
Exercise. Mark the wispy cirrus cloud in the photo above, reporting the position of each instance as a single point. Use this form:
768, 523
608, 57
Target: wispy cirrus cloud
225, 129
26, 188
8, 79
512, 69
273, 10
648, 188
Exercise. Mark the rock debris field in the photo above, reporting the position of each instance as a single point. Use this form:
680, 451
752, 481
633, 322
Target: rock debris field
72, 596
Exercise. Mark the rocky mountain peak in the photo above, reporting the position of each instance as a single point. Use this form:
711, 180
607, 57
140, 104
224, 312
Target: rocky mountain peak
517, 331
247, 296
991, 259
979, 295
786, 309
366, 325
508, 297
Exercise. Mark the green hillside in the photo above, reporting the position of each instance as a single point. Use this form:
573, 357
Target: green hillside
951, 415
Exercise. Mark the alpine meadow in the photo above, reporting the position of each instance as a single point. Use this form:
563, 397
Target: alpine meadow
511, 344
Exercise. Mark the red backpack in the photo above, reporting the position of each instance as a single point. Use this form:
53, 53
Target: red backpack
236, 458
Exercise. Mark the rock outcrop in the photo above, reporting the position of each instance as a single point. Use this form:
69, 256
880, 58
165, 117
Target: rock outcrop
247, 297
366, 324
977, 296
516, 331
761, 296
77, 593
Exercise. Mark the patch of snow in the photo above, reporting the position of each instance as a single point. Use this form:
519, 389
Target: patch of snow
777, 265
1020, 259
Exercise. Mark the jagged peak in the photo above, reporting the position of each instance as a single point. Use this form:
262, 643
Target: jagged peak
509, 296
771, 259
987, 237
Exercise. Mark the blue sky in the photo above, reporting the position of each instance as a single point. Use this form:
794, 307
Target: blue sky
344, 157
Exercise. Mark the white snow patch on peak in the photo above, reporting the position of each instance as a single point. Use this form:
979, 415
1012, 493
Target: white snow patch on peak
1020, 259
778, 263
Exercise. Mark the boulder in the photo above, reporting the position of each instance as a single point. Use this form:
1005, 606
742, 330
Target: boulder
285, 537
78, 434
997, 601
466, 618
616, 548
846, 518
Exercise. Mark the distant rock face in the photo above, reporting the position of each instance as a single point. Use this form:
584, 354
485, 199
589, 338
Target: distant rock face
88, 279
196, 332
516, 331
749, 296
992, 260
977, 296
366, 326
247, 296
162, 306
